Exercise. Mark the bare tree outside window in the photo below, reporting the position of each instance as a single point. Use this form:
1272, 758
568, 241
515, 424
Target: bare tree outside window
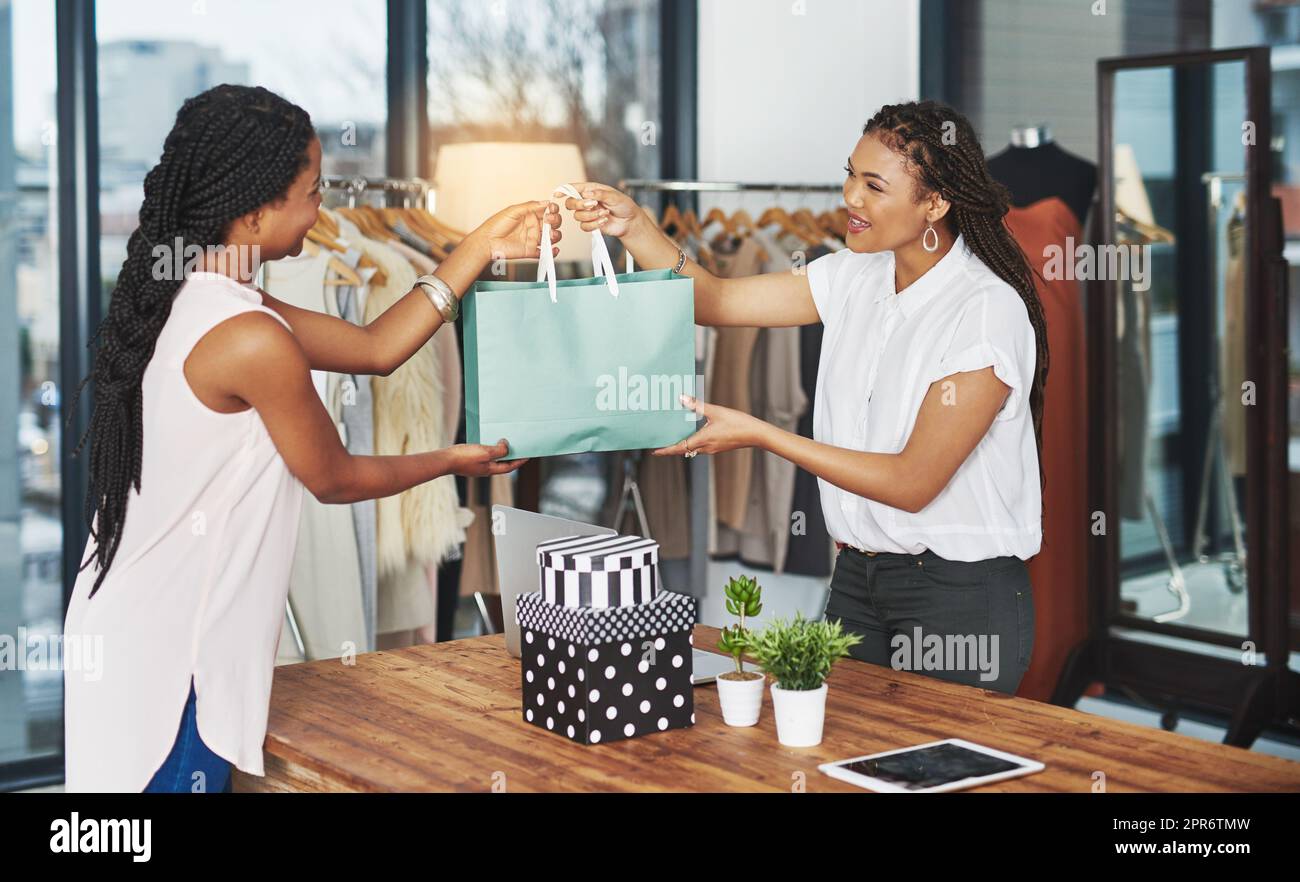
584, 72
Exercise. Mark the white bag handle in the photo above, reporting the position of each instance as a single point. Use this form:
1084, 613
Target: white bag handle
601, 264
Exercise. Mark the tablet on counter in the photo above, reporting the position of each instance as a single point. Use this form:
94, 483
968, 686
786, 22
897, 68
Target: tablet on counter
936, 767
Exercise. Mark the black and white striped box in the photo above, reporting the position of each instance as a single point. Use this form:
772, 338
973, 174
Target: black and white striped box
601, 572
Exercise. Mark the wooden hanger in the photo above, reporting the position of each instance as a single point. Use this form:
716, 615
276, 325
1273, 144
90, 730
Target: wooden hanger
343, 274
742, 223
717, 215
365, 223
326, 221
380, 223
839, 225
440, 236
453, 235
779, 216
672, 219
1143, 232
692, 222
407, 218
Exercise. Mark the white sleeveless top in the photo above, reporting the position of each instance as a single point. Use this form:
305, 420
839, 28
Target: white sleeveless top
199, 583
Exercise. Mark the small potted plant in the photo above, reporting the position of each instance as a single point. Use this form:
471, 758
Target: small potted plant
798, 655
740, 691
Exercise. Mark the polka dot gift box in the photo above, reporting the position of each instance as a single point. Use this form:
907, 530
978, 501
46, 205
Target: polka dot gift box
599, 675
598, 571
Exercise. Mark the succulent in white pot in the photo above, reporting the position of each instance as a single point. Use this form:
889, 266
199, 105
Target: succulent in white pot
740, 692
798, 655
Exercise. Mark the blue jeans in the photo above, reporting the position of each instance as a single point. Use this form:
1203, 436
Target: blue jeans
191, 767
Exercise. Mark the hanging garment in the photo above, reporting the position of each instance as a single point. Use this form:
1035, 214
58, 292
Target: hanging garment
420, 261
666, 494
411, 239
325, 587
447, 354
1233, 346
778, 398
423, 524
359, 427
732, 363
199, 583
811, 551
1059, 571
479, 566
1133, 382
478, 571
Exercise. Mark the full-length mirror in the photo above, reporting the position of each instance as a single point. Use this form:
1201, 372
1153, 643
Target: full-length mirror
1180, 139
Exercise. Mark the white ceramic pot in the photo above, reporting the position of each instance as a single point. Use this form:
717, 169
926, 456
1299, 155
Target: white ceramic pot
741, 700
800, 714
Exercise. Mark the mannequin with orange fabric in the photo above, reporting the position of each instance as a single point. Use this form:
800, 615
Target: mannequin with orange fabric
1051, 191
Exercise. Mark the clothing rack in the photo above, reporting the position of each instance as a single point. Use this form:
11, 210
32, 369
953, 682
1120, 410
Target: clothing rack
666, 186
356, 185
699, 465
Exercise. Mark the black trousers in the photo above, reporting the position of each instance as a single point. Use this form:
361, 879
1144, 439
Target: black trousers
968, 622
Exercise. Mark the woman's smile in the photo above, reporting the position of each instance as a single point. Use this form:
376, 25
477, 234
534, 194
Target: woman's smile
858, 224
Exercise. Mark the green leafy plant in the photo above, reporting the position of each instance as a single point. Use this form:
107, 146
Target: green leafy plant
744, 600
799, 654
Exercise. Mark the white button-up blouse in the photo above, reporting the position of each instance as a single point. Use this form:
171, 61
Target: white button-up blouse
881, 351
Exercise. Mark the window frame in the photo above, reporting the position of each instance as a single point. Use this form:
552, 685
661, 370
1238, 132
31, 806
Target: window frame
408, 154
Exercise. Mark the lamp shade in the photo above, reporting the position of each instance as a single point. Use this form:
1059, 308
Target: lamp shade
474, 181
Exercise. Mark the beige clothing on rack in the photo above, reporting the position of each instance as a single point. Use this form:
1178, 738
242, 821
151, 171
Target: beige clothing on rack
325, 585
733, 357
479, 571
446, 349
447, 353
778, 398
423, 524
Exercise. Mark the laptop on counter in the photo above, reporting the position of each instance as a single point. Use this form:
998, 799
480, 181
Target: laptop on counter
516, 559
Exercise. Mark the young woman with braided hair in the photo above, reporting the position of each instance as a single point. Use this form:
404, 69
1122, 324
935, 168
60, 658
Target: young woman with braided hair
929, 397
207, 427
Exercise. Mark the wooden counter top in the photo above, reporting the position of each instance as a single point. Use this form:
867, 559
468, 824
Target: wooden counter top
448, 717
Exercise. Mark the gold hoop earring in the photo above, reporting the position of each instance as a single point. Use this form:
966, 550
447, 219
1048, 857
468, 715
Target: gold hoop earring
925, 239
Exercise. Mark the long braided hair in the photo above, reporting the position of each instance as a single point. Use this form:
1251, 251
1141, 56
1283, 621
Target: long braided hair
944, 154
231, 150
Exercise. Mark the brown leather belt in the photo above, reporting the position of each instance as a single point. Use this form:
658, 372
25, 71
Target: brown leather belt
840, 546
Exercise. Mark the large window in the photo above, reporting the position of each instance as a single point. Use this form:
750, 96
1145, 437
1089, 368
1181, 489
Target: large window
533, 75
584, 72
153, 54
577, 72
31, 536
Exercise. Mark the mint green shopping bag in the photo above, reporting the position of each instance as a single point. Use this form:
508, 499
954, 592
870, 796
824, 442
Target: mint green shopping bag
580, 364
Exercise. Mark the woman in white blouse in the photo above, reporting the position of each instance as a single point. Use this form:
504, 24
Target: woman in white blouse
928, 406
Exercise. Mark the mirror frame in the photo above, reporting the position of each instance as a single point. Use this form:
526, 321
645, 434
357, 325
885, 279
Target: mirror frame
1266, 423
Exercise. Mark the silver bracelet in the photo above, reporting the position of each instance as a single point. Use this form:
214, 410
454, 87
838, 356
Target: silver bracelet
441, 296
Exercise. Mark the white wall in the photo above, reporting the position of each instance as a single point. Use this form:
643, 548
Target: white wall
785, 86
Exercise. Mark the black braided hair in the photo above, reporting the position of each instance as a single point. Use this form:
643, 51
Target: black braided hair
231, 150
944, 156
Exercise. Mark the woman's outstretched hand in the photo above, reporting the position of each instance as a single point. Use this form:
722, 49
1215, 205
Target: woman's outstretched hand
480, 460
726, 429
516, 232
604, 208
